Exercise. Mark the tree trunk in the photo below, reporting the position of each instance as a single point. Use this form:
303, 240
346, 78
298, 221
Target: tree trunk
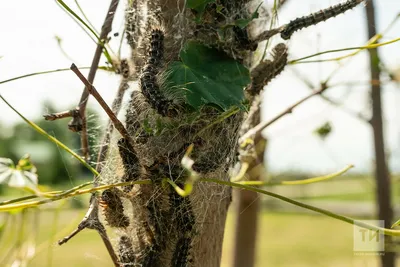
163, 228
248, 203
381, 169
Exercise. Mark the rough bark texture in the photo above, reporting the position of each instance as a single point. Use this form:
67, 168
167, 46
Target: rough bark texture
164, 228
381, 169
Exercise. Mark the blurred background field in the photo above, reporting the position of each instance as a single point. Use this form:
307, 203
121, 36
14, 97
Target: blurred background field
283, 240
287, 236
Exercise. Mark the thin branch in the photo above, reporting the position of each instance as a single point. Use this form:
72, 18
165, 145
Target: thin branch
369, 47
47, 72
92, 90
51, 138
281, 3
261, 126
353, 113
116, 106
58, 115
91, 219
335, 103
68, 194
105, 30
288, 29
385, 231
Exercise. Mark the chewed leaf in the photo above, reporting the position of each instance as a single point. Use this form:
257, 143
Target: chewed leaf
207, 76
23, 175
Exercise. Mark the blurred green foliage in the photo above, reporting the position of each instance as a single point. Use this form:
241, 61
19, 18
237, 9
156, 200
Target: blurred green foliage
54, 166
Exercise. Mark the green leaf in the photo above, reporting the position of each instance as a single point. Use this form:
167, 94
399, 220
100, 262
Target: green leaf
207, 76
23, 175
324, 130
198, 5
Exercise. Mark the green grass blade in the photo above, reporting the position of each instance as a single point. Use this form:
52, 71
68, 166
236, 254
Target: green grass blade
342, 218
84, 15
51, 138
105, 68
370, 46
70, 11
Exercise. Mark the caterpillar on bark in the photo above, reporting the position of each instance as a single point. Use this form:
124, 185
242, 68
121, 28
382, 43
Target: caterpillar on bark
113, 209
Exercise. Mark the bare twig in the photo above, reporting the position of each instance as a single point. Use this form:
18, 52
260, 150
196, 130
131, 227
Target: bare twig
116, 106
335, 103
105, 30
58, 115
281, 3
261, 126
92, 90
91, 219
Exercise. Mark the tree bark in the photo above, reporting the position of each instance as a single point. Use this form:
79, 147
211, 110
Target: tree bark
248, 203
381, 169
166, 229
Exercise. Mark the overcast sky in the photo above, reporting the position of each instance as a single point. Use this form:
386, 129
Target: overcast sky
28, 30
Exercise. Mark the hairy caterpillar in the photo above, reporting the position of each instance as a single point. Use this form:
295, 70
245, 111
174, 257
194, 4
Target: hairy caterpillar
113, 209
130, 162
148, 78
317, 17
185, 221
264, 72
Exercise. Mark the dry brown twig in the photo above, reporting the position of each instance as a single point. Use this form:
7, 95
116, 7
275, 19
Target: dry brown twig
309, 84
92, 90
91, 219
256, 131
59, 115
78, 122
105, 30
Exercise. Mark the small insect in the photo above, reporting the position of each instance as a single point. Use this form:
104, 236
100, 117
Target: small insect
317, 17
113, 209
